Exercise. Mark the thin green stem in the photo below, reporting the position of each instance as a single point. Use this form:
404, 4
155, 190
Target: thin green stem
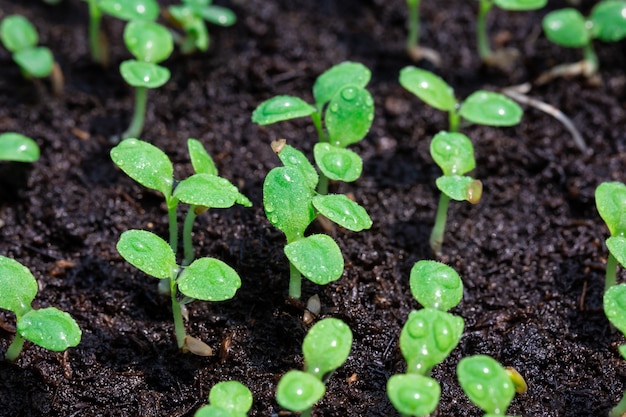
436, 237
15, 348
179, 324
187, 241
172, 204
484, 50
454, 119
317, 122
295, 282
139, 115
412, 39
97, 49
611, 272
306, 413
322, 184
591, 58
620, 409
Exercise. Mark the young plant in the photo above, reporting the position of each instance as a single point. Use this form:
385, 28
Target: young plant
326, 347
150, 43
454, 153
291, 204
17, 147
48, 327
348, 111
611, 204
413, 48
481, 107
227, 399
427, 338
191, 15
615, 310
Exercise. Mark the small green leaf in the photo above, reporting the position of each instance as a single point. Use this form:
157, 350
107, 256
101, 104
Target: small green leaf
148, 41
436, 285
611, 205
144, 74
207, 190
217, 15
17, 147
460, 188
566, 27
331, 81
292, 157
413, 395
343, 211
146, 164
231, 395
200, 159
36, 62
17, 33
209, 279
326, 347
486, 383
615, 306
453, 152
299, 391
430, 88
18, 286
215, 411
243, 200
147, 252
317, 257
280, 108
609, 20
337, 163
50, 328
349, 115
491, 109
518, 5
130, 9
617, 247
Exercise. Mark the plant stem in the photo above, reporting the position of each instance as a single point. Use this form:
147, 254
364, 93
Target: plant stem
15, 348
412, 38
454, 119
172, 204
295, 282
306, 413
484, 50
620, 409
591, 58
611, 272
317, 122
136, 125
98, 50
179, 325
187, 242
322, 184
436, 237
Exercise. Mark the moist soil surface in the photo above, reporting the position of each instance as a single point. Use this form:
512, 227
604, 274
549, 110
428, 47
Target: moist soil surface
531, 253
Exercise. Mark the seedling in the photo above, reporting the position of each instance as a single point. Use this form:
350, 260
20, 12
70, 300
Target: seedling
227, 399
481, 107
454, 153
615, 310
48, 327
611, 205
17, 147
348, 111
326, 347
291, 204
413, 48
191, 15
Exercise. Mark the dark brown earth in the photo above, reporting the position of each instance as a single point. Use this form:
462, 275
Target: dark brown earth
531, 254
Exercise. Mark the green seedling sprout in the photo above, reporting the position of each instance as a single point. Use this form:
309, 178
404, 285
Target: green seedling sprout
150, 43
48, 327
325, 348
17, 147
454, 154
227, 399
481, 107
569, 28
611, 204
413, 48
427, 338
615, 310
342, 115
291, 204
191, 16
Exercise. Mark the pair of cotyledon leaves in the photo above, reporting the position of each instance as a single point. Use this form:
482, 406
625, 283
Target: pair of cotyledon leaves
227, 399
20, 37
17, 147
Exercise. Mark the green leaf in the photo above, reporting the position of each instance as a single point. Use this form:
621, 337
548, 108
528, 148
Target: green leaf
209, 279
299, 391
280, 108
317, 257
617, 247
611, 205
436, 285
430, 88
215, 411
144, 74
615, 306
413, 395
148, 41
343, 211
17, 147
147, 252
287, 201
200, 159
566, 27
18, 286
292, 157
486, 383
609, 20
333, 80
17, 33
326, 347
519, 5
349, 116
460, 188
491, 109
50, 328
337, 163
428, 337
220, 16
36, 62
231, 395
146, 164
207, 190
453, 153
130, 9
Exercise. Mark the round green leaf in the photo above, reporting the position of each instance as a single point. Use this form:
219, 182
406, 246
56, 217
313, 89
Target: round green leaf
18, 286
145, 163
343, 211
292, 157
453, 152
518, 5
611, 205
486, 383
460, 188
217, 15
413, 395
326, 346
617, 247
130, 9
338, 164
280, 108
207, 190
609, 20
50, 328
436, 285
36, 62
317, 257
215, 411
147, 252
615, 306
430, 88
566, 27
491, 109
148, 41
299, 391
17, 147
200, 159
209, 279
349, 115
231, 395
333, 80
144, 74
17, 33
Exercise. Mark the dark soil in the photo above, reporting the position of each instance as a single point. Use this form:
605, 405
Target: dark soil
531, 254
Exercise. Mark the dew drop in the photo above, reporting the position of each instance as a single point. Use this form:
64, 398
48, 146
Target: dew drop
334, 107
349, 93
444, 338
417, 328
